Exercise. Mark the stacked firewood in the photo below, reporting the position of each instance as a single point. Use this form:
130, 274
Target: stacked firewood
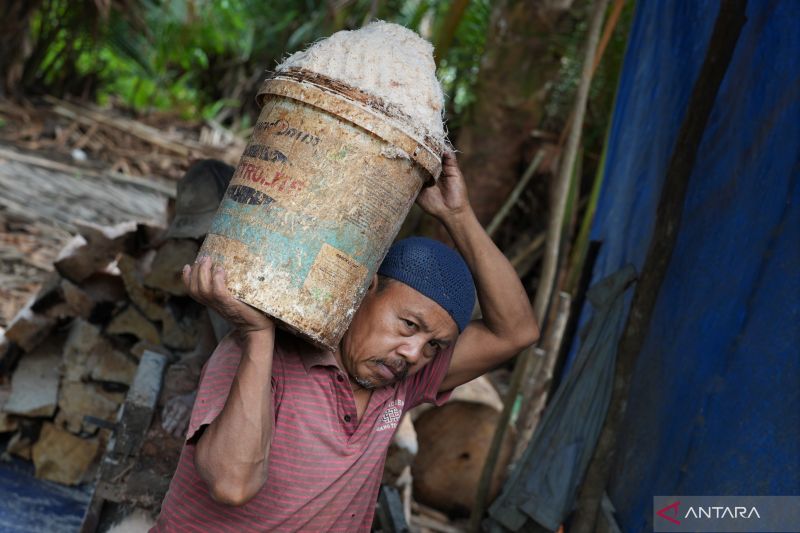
69, 356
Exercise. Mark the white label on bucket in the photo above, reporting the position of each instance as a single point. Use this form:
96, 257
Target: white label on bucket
334, 276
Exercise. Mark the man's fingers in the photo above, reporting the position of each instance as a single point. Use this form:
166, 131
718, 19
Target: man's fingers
218, 287
204, 277
186, 276
219, 290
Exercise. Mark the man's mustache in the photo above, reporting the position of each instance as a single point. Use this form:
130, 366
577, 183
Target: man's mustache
398, 368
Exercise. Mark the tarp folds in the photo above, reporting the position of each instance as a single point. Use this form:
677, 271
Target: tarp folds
545, 482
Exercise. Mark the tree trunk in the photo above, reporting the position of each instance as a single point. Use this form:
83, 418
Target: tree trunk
15, 17
514, 74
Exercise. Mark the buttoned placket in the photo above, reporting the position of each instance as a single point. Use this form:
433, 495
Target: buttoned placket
346, 402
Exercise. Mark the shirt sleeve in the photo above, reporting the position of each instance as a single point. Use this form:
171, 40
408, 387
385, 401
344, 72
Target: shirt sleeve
423, 387
216, 380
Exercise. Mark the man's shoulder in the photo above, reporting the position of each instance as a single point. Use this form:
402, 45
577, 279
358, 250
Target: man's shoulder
289, 344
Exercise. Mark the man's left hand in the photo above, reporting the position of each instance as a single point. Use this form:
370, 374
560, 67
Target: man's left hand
448, 196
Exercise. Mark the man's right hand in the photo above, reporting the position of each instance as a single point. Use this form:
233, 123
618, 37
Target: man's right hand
205, 283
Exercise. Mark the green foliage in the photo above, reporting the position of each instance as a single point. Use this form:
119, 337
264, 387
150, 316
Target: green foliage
206, 57
460, 68
601, 96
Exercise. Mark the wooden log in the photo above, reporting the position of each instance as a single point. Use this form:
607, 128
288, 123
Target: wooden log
78, 300
117, 238
132, 322
34, 384
148, 235
110, 365
168, 264
453, 442
63, 457
138, 349
77, 400
27, 329
8, 423
20, 443
104, 287
94, 249
59, 298
83, 339
150, 302
75, 262
48, 295
181, 333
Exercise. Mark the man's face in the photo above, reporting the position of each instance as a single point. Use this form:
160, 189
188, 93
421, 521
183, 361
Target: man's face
394, 333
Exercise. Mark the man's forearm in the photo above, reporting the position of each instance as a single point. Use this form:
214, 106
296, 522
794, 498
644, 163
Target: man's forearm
232, 453
505, 305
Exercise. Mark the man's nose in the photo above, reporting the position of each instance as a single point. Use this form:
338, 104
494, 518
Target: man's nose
412, 350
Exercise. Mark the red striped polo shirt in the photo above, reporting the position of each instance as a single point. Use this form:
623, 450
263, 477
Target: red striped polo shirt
324, 466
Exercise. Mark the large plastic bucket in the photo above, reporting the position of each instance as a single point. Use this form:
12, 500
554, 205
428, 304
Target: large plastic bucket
320, 192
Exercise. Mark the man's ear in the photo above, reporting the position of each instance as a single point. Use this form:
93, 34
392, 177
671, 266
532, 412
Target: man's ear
373, 285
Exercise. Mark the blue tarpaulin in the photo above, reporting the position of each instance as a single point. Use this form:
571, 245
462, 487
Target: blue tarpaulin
30, 505
714, 406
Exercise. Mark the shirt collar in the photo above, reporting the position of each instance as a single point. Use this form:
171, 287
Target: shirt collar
318, 357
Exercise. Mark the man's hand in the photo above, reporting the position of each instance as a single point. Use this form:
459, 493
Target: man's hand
176, 413
448, 197
206, 284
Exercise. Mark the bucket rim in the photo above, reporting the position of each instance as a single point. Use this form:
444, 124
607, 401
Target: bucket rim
359, 107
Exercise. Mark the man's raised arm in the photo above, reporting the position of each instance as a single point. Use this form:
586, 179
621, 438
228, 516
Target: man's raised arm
508, 324
231, 454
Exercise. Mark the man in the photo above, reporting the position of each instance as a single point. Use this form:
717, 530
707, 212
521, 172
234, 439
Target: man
285, 437
199, 193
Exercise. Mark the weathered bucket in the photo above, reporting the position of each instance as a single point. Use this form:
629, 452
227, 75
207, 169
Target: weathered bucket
320, 192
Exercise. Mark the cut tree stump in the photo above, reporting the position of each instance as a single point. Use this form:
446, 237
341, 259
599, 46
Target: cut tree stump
453, 442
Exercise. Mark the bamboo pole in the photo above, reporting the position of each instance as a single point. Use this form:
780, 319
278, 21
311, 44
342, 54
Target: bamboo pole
511, 201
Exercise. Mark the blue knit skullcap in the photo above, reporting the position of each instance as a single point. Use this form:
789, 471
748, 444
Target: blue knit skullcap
436, 271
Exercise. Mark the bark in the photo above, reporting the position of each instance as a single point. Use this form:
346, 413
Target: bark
514, 74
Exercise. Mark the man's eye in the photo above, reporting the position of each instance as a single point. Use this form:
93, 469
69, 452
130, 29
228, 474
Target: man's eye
409, 323
433, 348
